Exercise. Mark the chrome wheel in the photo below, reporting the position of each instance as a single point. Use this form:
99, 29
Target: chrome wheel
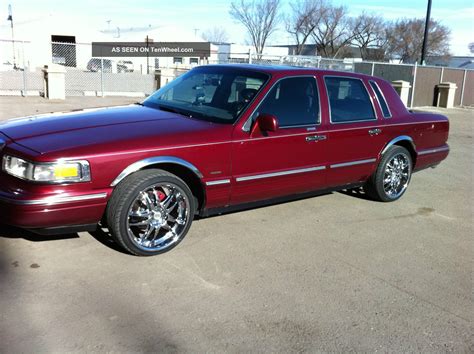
396, 175
158, 216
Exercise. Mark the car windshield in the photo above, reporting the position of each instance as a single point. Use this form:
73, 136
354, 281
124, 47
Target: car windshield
209, 93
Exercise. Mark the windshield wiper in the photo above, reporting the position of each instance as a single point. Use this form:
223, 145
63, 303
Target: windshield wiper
173, 110
139, 103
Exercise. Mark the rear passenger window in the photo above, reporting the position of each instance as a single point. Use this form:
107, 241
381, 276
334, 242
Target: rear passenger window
349, 100
294, 101
381, 99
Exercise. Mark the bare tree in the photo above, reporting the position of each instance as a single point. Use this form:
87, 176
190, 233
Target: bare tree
369, 35
215, 35
260, 18
405, 39
304, 19
333, 32
471, 47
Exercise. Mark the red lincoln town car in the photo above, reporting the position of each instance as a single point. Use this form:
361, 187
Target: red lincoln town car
216, 139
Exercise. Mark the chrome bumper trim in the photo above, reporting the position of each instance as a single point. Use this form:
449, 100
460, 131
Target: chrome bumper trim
352, 163
282, 173
432, 151
218, 182
54, 199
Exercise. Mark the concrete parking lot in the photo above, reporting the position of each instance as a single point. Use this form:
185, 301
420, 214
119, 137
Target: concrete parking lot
335, 273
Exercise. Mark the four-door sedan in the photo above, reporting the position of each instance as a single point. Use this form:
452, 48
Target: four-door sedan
216, 139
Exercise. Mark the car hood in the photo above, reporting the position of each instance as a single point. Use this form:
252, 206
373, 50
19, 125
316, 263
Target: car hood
103, 130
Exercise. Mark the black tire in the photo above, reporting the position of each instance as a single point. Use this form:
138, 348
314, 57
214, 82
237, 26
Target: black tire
137, 199
377, 187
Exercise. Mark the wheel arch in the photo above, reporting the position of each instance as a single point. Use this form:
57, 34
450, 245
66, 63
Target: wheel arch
175, 165
403, 141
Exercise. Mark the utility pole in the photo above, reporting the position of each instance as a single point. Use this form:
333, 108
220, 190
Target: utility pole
147, 54
10, 18
425, 37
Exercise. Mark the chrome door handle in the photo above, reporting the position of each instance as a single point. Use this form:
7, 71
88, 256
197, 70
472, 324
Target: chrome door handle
315, 138
375, 131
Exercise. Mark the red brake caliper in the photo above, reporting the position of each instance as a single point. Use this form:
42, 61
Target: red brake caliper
161, 196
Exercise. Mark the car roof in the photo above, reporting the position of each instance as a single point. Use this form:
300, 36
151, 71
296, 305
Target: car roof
287, 69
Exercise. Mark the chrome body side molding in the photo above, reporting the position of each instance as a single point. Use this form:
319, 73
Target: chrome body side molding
352, 163
153, 161
218, 182
434, 150
281, 173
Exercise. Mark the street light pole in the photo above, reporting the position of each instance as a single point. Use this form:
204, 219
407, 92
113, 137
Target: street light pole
10, 18
425, 37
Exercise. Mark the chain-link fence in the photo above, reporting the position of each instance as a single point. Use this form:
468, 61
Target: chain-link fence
21, 64
304, 61
289, 60
17, 76
90, 76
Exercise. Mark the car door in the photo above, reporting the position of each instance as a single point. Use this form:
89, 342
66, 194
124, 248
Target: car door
289, 160
355, 133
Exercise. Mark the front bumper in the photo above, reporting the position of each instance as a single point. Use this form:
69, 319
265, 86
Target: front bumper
54, 211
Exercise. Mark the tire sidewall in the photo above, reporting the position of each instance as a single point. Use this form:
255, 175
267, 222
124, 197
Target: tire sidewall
127, 198
379, 177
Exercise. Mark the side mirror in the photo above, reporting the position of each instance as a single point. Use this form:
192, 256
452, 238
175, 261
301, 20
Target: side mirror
266, 123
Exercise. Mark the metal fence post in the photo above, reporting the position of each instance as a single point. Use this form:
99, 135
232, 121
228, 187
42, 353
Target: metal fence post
25, 83
463, 86
250, 56
413, 86
102, 76
373, 69
442, 74
25, 79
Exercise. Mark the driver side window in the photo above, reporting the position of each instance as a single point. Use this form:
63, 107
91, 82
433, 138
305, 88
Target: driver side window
200, 87
244, 89
294, 101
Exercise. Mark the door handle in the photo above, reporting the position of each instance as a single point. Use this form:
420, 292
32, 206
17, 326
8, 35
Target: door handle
375, 131
315, 138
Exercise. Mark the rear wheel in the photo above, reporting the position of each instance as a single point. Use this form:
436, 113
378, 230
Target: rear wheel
150, 212
391, 179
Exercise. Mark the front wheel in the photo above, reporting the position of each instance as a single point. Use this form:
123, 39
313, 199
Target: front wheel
391, 179
150, 212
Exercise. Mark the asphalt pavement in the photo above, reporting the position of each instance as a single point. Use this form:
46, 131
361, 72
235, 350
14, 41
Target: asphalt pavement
335, 273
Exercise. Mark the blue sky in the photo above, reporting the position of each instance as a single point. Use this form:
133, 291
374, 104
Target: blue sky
203, 14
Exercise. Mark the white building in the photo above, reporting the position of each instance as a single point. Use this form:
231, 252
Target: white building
35, 44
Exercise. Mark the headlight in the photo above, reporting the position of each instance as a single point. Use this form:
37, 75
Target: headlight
58, 172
